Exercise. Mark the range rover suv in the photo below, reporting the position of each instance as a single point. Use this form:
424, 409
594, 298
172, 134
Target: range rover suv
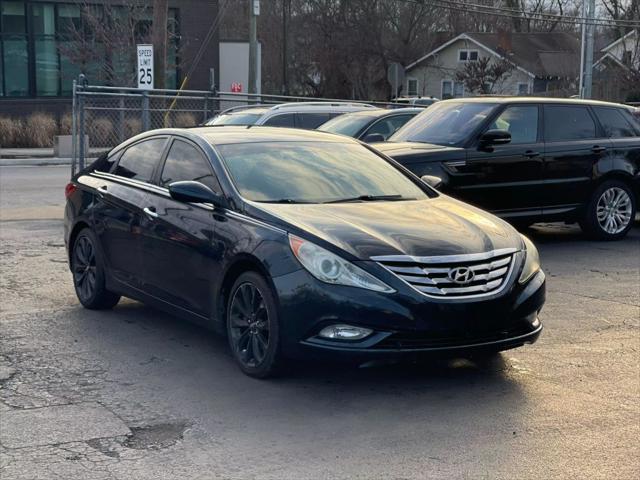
530, 159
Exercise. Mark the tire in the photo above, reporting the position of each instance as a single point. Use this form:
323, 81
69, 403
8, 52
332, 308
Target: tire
253, 328
87, 269
610, 213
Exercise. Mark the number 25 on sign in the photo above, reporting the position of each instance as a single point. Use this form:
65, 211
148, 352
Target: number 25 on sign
145, 67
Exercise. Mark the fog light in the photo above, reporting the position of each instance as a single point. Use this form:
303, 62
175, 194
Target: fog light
536, 322
345, 332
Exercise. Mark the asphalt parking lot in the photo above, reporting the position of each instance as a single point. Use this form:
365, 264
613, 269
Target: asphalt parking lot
135, 393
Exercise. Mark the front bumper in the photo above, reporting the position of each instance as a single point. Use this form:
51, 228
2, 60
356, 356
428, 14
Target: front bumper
405, 323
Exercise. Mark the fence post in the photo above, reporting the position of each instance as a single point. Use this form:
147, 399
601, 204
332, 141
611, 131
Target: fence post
205, 113
145, 111
81, 132
74, 133
121, 120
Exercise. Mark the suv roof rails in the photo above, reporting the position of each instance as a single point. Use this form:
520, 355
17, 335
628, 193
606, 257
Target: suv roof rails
246, 107
321, 104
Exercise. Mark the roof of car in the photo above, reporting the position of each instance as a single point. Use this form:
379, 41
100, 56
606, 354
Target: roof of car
231, 134
513, 99
381, 112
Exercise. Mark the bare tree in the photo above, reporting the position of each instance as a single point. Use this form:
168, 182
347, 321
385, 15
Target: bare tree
484, 76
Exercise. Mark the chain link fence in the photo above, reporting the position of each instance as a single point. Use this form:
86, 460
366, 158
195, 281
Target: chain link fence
104, 117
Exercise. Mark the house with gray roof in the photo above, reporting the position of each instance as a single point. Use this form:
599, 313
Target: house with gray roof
542, 63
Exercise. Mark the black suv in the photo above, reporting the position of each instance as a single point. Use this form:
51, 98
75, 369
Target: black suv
530, 159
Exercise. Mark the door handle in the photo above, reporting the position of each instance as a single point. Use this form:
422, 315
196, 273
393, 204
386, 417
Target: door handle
151, 212
598, 149
531, 154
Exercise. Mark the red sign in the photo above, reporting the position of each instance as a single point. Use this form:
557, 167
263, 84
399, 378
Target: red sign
236, 87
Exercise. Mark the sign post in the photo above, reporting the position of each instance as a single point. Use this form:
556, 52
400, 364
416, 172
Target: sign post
145, 67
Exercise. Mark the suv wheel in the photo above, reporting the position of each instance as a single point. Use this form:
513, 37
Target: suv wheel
253, 327
610, 212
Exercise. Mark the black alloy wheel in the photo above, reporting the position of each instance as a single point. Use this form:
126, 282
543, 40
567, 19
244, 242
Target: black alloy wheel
252, 326
88, 273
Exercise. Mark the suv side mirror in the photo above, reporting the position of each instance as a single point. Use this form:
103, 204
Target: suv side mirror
432, 181
495, 137
195, 192
373, 138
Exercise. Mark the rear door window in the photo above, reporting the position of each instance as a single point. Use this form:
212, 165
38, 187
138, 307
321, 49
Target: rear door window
284, 120
521, 121
568, 122
614, 123
310, 121
139, 161
187, 162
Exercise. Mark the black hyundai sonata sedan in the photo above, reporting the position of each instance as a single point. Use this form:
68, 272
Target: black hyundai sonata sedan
298, 244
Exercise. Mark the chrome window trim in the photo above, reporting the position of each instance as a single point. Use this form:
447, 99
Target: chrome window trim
165, 192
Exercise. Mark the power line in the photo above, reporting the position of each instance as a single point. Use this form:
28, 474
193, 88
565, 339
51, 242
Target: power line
523, 14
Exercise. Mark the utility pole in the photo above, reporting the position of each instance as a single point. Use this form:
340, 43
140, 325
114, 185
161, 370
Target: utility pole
582, 43
285, 80
159, 40
588, 61
254, 11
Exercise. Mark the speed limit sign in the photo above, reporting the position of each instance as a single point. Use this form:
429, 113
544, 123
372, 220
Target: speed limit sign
145, 67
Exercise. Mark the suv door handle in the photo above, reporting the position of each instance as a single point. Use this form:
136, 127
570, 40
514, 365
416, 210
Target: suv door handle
151, 212
598, 149
531, 154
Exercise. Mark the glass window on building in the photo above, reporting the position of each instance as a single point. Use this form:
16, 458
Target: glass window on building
13, 45
46, 50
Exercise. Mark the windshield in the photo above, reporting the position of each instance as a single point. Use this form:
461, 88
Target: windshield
348, 125
444, 123
236, 118
314, 172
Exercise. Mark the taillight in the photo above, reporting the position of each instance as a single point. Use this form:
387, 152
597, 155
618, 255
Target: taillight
69, 189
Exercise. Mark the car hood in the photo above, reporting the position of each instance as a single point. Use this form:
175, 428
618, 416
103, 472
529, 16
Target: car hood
436, 226
394, 149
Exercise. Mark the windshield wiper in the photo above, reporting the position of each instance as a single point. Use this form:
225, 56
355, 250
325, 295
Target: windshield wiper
371, 198
283, 200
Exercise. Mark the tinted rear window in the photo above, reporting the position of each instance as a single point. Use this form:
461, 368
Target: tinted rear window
309, 121
284, 120
568, 122
139, 161
614, 123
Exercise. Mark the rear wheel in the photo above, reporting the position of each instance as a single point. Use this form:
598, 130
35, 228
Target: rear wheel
610, 212
252, 326
88, 273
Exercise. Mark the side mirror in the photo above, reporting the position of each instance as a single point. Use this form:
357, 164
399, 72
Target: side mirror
495, 137
432, 181
373, 138
195, 192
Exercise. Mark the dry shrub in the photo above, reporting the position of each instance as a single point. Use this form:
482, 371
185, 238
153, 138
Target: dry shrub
132, 126
66, 123
39, 130
101, 132
185, 119
9, 132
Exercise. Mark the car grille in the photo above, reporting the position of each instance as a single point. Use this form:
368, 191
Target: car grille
454, 276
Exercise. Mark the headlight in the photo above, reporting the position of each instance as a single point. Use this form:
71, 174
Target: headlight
531, 262
330, 268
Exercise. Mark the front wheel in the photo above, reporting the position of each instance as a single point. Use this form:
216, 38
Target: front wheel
610, 212
252, 326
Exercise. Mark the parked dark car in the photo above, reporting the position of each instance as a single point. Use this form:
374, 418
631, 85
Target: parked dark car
530, 159
297, 243
370, 126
